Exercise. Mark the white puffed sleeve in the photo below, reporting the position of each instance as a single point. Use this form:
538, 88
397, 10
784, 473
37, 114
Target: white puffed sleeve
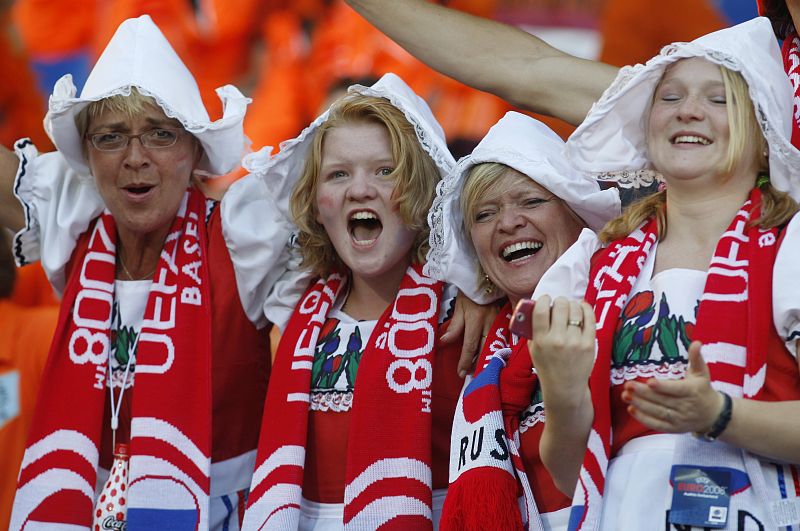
569, 275
258, 236
58, 203
786, 288
288, 289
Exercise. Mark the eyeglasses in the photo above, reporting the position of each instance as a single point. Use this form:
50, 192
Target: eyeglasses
153, 139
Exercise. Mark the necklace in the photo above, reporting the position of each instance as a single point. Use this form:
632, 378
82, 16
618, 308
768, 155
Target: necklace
128, 273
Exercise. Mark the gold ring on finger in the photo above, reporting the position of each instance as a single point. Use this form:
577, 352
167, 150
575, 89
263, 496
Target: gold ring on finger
575, 322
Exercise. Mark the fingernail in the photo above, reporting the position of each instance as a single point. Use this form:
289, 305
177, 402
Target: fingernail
462, 374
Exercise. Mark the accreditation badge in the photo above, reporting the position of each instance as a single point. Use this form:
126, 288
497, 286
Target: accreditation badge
700, 496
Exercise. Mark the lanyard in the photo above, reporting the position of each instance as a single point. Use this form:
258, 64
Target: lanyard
115, 408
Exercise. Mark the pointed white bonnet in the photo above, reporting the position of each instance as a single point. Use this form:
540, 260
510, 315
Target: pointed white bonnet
611, 143
138, 55
282, 171
531, 148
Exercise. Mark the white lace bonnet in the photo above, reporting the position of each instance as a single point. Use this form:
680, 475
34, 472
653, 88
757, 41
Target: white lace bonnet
138, 55
281, 172
611, 143
533, 149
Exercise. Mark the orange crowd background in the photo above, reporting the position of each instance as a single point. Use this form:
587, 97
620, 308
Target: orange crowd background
291, 57
288, 55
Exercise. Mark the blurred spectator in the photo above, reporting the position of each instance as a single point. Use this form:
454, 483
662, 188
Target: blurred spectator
288, 54
21, 104
32, 288
57, 35
309, 52
25, 335
737, 11
633, 31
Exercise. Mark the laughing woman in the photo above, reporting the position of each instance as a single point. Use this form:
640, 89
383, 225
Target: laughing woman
694, 291
357, 421
499, 221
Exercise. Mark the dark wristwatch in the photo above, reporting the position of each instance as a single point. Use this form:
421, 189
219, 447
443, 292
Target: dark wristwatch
723, 419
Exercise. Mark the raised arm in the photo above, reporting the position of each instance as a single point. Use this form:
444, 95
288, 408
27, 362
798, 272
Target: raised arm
490, 56
562, 350
11, 214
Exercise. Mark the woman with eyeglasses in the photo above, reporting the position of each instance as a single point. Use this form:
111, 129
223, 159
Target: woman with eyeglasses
154, 349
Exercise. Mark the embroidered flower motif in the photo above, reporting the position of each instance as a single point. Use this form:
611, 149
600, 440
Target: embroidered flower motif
354, 343
335, 366
638, 304
330, 345
634, 339
328, 328
643, 335
688, 332
122, 339
354, 351
643, 324
323, 372
332, 364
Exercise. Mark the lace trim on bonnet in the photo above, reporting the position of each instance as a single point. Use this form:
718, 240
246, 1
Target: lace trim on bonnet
646, 177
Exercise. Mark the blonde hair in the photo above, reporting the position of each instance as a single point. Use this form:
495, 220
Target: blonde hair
744, 134
127, 105
480, 183
415, 175
744, 131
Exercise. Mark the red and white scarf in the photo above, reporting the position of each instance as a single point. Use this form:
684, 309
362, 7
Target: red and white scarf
489, 487
791, 63
388, 470
738, 286
170, 442
498, 338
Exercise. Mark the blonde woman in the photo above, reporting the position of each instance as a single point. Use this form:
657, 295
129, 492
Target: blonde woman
357, 418
696, 382
499, 221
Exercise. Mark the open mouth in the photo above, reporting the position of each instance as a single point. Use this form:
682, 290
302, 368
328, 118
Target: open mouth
138, 189
520, 250
691, 139
364, 227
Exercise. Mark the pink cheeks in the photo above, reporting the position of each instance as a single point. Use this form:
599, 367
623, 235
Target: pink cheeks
324, 202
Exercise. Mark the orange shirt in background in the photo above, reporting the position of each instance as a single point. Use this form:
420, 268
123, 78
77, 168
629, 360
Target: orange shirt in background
227, 30
297, 75
25, 335
54, 27
32, 288
280, 107
22, 107
175, 19
633, 31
